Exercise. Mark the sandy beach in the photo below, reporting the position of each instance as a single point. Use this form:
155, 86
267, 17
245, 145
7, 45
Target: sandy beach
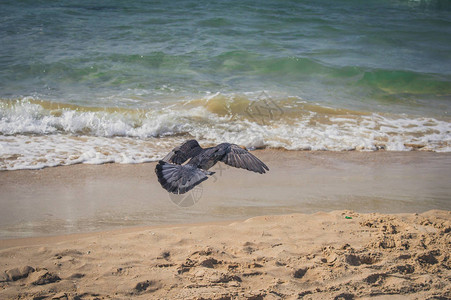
336, 255
319, 225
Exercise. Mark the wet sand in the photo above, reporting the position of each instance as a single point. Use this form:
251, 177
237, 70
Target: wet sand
87, 198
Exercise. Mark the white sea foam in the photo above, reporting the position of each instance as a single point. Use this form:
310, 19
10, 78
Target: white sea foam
31, 118
33, 136
36, 152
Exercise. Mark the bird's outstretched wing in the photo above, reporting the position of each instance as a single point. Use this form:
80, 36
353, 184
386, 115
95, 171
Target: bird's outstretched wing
182, 153
240, 158
179, 179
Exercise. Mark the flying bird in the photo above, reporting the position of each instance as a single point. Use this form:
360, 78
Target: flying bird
179, 179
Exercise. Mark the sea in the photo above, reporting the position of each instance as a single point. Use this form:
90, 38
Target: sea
126, 81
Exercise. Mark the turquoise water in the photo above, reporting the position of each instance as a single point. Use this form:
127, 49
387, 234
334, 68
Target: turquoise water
142, 62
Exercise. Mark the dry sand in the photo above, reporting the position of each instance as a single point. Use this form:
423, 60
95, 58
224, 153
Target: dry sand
336, 255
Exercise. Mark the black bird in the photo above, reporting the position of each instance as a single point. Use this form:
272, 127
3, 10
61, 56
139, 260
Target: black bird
178, 179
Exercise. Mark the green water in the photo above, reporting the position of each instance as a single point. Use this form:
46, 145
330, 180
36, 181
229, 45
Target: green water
349, 54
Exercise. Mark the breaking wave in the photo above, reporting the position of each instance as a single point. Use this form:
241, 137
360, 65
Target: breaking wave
37, 134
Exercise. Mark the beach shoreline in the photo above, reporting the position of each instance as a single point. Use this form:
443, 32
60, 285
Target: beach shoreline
347, 103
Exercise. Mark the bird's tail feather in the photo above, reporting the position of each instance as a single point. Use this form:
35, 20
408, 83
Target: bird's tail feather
179, 179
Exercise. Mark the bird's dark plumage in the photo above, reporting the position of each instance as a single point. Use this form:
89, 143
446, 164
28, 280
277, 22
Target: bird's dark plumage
182, 153
178, 179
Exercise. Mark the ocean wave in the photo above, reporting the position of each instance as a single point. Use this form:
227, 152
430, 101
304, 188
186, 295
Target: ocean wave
36, 134
40, 117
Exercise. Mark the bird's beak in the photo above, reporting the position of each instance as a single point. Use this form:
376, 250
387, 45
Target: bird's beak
242, 147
